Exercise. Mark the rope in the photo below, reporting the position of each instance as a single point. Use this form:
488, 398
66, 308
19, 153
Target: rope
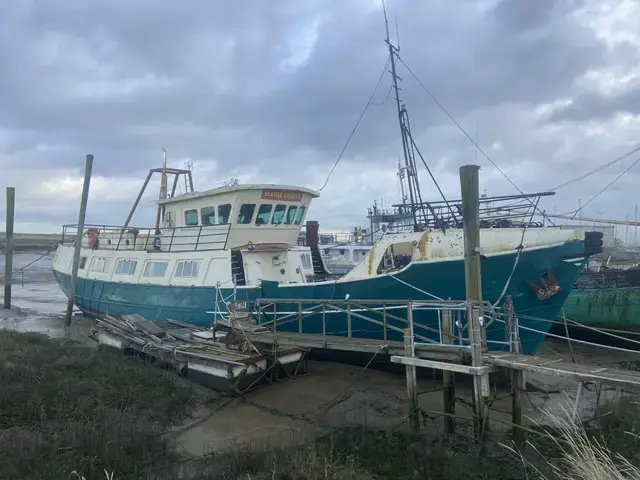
416, 288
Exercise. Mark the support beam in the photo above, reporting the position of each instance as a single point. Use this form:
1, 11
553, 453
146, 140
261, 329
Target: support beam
448, 378
78, 246
470, 188
444, 366
8, 253
412, 387
517, 387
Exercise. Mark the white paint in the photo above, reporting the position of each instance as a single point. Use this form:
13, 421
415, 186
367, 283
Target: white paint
438, 246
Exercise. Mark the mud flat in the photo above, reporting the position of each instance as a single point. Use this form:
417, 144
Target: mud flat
68, 406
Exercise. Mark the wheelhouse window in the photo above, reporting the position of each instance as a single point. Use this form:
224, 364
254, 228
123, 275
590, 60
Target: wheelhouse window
246, 213
188, 268
291, 215
224, 211
155, 269
278, 214
208, 216
191, 217
306, 261
126, 267
99, 264
83, 263
264, 212
300, 214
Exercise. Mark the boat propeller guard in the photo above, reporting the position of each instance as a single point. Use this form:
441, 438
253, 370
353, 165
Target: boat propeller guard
548, 288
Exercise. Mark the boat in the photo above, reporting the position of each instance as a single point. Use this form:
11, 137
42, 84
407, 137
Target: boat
223, 250
240, 243
608, 298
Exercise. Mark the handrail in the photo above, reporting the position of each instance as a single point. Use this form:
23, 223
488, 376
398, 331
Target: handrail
150, 239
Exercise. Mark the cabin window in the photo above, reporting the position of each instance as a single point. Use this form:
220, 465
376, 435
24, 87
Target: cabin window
264, 212
83, 263
208, 216
224, 211
246, 213
291, 215
99, 264
278, 214
306, 261
191, 217
126, 267
188, 268
155, 269
300, 214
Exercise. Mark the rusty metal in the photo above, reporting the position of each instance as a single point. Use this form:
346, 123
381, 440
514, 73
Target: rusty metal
548, 287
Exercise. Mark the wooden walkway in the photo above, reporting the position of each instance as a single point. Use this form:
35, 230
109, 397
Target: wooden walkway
452, 353
565, 369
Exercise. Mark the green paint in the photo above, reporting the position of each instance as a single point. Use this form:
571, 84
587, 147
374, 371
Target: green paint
605, 307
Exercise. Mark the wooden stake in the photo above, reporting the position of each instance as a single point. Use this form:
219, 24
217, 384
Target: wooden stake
480, 382
448, 379
412, 390
78, 246
8, 253
469, 186
517, 387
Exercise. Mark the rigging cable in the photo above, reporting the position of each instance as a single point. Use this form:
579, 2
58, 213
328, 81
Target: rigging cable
574, 213
595, 170
446, 112
364, 111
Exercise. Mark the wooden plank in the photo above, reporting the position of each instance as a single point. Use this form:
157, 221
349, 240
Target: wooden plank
444, 366
145, 325
588, 373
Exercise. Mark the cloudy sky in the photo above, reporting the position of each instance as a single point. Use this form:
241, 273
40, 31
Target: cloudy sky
269, 92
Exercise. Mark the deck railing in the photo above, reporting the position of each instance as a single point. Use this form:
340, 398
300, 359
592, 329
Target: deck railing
178, 239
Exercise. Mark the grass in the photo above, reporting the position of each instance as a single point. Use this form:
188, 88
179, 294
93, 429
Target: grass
66, 407
69, 411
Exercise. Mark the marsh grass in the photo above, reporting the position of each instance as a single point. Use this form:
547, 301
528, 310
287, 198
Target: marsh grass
69, 411
66, 407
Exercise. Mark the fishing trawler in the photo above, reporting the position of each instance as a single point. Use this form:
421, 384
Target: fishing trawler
239, 243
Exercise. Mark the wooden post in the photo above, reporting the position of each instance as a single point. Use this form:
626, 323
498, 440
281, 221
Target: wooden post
480, 382
469, 186
349, 319
8, 239
412, 389
300, 317
384, 321
448, 379
517, 387
78, 246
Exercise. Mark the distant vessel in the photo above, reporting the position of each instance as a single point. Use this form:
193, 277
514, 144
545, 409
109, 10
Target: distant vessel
608, 298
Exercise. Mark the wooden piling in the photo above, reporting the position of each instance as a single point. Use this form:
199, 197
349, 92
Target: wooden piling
448, 379
78, 245
470, 190
480, 382
412, 382
8, 254
517, 387
412, 388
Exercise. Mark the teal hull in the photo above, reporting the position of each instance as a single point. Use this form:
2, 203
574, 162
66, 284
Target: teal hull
444, 279
616, 308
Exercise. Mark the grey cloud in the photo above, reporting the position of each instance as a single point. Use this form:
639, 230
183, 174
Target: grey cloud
220, 96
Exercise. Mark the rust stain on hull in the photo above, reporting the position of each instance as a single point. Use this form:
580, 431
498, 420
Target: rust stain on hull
422, 245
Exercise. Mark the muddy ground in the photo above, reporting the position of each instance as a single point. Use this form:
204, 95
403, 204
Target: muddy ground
330, 394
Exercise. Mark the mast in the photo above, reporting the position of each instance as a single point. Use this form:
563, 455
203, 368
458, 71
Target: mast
405, 144
163, 189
